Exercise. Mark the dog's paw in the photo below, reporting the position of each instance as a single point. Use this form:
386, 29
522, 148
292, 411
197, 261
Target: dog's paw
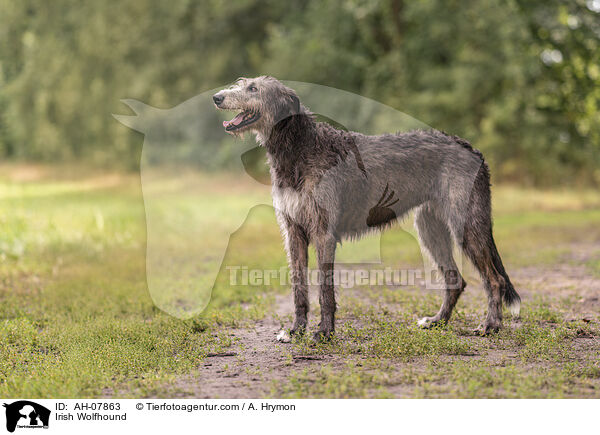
429, 322
284, 337
322, 336
488, 328
298, 329
425, 322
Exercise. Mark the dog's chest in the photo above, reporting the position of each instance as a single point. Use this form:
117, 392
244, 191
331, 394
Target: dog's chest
288, 201
293, 204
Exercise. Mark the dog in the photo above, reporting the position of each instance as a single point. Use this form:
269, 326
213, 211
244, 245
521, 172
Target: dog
329, 185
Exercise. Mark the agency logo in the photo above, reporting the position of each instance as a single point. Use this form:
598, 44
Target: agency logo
25, 414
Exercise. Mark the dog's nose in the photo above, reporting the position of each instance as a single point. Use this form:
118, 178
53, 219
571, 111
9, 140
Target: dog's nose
218, 99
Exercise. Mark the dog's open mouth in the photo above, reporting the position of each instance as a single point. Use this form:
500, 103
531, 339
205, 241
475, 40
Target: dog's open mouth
242, 119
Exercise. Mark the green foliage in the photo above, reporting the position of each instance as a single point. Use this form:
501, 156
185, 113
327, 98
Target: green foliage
65, 65
485, 70
519, 79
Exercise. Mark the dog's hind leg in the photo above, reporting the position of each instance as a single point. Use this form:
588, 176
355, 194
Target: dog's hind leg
478, 244
494, 283
436, 240
325, 246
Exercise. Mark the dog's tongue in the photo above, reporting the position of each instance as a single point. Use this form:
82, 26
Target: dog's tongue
235, 121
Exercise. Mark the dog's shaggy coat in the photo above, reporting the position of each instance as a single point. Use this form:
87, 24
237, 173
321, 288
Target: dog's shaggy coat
329, 184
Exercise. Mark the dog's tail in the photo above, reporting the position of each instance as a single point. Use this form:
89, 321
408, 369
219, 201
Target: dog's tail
511, 297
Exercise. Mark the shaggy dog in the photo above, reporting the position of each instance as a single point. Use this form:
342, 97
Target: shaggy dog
329, 184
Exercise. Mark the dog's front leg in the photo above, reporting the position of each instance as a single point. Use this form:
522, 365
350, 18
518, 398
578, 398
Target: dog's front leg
297, 247
325, 247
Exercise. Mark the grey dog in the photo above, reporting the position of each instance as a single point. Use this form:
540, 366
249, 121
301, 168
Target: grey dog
329, 185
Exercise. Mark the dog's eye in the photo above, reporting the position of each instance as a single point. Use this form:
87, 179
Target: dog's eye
252, 88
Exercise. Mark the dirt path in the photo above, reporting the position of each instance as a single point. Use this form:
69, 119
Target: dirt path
257, 363
253, 365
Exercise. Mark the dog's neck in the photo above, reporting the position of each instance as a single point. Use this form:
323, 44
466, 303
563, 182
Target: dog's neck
288, 144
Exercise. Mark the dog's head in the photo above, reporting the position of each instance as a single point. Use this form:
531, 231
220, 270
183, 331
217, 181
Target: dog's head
262, 102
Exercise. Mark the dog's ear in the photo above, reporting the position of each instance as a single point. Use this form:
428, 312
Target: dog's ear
295, 104
287, 106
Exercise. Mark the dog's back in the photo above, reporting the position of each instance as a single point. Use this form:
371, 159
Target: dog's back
378, 179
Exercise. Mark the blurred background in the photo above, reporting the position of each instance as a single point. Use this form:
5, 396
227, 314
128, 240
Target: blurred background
519, 79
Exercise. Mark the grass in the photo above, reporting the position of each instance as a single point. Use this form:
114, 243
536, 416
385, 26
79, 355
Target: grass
77, 318
380, 353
